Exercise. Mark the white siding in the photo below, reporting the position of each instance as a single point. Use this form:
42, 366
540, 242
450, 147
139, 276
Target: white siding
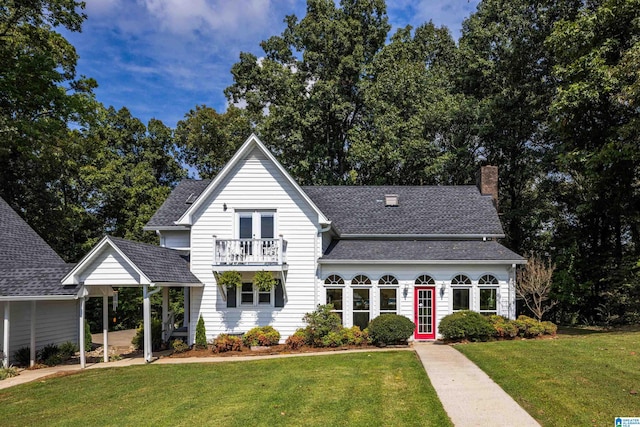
175, 239
255, 184
110, 268
56, 322
407, 274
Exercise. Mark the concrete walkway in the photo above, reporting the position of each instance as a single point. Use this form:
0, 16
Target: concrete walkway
468, 395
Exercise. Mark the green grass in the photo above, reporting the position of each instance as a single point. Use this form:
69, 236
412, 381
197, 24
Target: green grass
578, 380
377, 388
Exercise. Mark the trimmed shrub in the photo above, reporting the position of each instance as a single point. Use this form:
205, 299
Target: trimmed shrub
550, 328
156, 335
355, 336
320, 323
297, 340
332, 339
226, 342
504, 328
466, 325
179, 346
201, 334
529, 327
67, 349
261, 335
22, 356
388, 329
49, 355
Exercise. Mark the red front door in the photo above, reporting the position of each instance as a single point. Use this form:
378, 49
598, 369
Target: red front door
425, 310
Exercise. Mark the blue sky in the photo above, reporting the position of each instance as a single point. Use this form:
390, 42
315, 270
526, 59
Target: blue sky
161, 58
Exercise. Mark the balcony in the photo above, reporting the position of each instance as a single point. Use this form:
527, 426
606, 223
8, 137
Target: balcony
243, 254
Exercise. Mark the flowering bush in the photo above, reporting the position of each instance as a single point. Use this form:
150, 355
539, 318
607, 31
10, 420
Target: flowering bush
226, 342
261, 335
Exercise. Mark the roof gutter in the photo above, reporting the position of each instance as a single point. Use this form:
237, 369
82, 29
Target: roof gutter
422, 236
39, 298
166, 228
422, 262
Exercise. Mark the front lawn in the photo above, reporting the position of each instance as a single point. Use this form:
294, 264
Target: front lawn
573, 380
377, 388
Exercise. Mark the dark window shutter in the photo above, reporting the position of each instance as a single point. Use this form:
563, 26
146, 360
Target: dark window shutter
231, 297
279, 291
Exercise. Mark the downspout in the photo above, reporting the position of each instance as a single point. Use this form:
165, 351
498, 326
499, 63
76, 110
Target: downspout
318, 267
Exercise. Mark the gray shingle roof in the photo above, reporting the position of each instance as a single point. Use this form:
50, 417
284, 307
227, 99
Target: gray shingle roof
422, 210
418, 250
426, 210
36, 282
20, 245
176, 204
157, 263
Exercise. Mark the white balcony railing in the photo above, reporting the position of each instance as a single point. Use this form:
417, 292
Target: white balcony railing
249, 251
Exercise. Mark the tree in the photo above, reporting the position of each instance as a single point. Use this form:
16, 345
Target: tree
534, 286
131, 172
595, 113
414, 123
507, 67
39, 97
207, 139
304, 95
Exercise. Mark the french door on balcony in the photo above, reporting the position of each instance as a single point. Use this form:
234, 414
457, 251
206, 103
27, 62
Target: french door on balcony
256, 225
254, 228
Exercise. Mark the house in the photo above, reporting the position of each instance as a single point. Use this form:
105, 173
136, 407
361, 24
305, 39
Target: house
37, 309
419, 251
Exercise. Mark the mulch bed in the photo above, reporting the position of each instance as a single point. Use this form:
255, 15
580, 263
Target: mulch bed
273, 350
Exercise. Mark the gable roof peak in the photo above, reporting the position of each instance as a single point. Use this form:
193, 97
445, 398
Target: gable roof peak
247, 147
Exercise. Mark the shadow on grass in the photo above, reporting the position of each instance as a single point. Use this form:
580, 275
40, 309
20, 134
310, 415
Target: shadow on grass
568, 331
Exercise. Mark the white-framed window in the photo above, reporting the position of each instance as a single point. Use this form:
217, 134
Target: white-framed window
256, 224
360, 280
334, 279
425, 280
388, 293
361, 307
335, 295
461, 293
252, 296
488, 294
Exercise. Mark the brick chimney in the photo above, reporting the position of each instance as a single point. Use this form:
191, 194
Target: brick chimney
487, 182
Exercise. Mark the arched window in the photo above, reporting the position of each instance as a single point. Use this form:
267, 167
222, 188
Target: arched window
388, 280
487, 279
361, 279
425, 280
461, 279
334, 279
461, 292
488, 294
334, 293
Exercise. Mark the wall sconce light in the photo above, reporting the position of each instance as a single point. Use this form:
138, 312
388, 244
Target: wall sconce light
443, 287
405, 291
224, 207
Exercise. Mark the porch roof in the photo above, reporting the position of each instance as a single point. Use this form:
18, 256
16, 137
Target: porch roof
419, 251
160, 265
154, 265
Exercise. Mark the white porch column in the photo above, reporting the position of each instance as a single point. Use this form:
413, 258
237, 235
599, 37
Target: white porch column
146, 319
187, 306
5, 341
32, 339
105, 327
165, 314
83, 359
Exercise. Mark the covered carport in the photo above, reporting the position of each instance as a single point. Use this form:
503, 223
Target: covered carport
116, 262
